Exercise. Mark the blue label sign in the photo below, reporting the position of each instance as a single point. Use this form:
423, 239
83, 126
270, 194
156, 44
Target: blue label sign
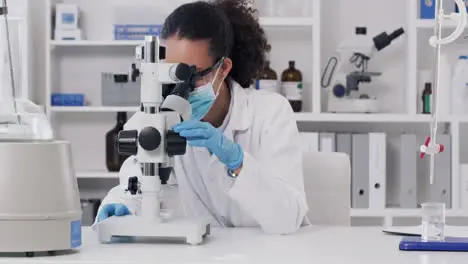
75, 236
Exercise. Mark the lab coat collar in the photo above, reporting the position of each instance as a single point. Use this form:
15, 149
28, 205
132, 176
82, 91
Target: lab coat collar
240, 119
240, 116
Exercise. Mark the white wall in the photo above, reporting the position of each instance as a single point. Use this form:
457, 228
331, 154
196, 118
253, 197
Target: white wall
17, 14
38, 40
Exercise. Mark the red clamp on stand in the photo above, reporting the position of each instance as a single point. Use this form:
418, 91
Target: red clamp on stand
440, 148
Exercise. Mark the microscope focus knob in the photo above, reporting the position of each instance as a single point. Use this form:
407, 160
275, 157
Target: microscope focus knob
175, 144
133, 185
339, 90
149, 138
127, 142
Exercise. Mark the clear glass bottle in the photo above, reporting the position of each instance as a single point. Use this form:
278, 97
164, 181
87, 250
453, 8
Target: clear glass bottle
291, 86
114, 160
268, 79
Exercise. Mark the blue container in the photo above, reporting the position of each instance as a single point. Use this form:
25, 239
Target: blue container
59, 99
135, 32
427, 9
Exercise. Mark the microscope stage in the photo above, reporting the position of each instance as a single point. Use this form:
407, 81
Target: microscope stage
192, 229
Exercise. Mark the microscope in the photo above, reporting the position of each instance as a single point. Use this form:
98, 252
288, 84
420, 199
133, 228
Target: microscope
344, 96
147, 135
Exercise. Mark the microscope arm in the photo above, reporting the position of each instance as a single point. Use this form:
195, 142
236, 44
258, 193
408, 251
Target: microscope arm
179, 106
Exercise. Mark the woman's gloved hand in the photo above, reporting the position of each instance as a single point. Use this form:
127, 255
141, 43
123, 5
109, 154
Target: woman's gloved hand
114, 209
203, 134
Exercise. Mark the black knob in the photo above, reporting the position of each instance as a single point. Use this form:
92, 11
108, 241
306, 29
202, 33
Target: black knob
149, 138
127, 142
175, 144
164, 174
133, 185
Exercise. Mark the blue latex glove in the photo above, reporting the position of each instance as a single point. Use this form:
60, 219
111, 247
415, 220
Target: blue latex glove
114, 209
203, 134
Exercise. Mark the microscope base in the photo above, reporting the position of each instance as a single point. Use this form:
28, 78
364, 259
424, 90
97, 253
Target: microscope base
192, 230
353, 106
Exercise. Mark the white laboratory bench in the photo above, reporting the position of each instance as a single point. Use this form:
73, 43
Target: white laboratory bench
228, 246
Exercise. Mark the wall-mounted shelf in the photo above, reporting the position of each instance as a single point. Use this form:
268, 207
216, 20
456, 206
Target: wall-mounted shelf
97, 175
264, 21
429, 24
300, 117
92, 109
94, 43
286, 21
398, 212
365, 118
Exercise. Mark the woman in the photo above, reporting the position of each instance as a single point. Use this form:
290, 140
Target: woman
243, 163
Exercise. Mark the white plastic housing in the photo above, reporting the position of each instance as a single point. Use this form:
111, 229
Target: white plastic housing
66, 16
192, 230
39, 197
167, 73
150, 188
151, 88
181, 107
348, 105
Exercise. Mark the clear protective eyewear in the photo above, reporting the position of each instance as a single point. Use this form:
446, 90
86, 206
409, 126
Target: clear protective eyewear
203, 77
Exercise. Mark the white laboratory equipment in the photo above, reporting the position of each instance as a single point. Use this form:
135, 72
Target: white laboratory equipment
148, 135
430, 147
347, 69
66, 22
39, 199
460, 86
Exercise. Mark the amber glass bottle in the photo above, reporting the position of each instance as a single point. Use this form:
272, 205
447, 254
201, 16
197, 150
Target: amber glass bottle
114, 160
291, 86
268, 79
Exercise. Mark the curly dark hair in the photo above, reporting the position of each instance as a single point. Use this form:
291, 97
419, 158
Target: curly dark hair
232, 29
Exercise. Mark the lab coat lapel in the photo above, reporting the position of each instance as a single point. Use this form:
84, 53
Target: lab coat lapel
239, 119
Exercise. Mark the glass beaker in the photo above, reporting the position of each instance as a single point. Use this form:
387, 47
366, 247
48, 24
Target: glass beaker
433, 222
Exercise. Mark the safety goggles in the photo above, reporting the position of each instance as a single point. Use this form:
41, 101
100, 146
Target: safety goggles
203, 77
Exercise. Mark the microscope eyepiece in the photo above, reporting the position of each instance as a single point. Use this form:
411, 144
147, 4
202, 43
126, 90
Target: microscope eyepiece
186, 74
383, 40
183, 72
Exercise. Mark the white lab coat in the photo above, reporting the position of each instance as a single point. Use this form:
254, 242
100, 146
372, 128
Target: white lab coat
269, 191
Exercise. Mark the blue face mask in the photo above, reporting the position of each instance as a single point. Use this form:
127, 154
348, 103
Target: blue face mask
202, 99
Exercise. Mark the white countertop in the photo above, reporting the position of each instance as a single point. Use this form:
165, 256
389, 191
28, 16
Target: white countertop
311, 245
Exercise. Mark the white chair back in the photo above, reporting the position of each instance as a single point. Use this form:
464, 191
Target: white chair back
327, 183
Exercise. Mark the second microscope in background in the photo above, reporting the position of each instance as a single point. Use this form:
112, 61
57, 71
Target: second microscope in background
349, 67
